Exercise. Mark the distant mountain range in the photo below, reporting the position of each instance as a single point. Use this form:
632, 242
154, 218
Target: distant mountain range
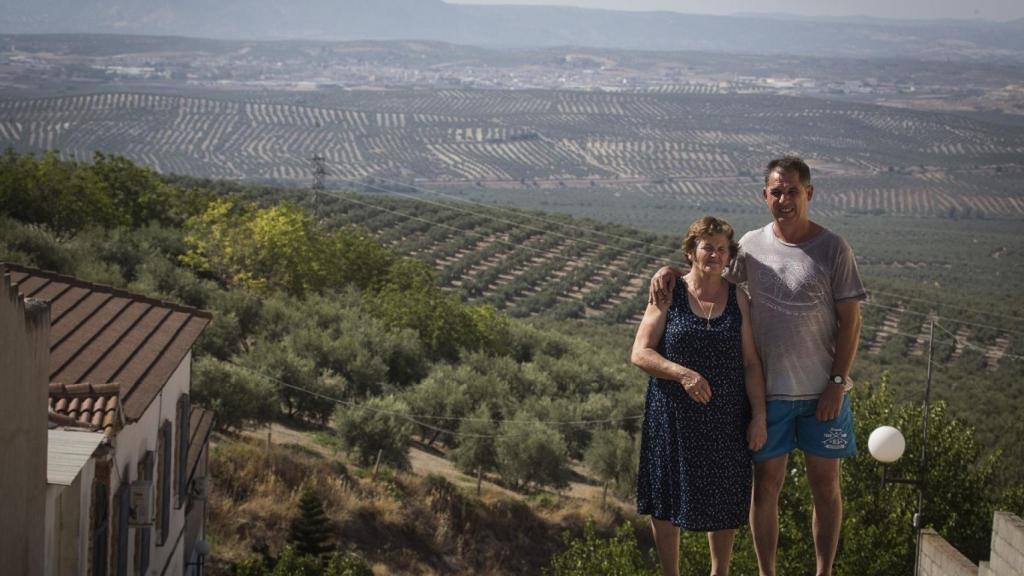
518, 26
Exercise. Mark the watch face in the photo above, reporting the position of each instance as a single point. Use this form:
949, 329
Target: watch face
837, 379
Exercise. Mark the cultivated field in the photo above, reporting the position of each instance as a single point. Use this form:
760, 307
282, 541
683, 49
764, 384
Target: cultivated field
529, 263
693, 148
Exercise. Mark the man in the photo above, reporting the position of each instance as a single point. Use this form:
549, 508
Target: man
805, 295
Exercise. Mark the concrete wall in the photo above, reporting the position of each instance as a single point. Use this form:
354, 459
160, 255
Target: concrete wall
131, 444
1007, 557
939, 558
66, 525
24, 375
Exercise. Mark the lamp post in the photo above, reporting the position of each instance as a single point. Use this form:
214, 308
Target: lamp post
202, 549
887, 444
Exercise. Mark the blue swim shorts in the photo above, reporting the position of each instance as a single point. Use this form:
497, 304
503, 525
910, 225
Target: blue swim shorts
792, 424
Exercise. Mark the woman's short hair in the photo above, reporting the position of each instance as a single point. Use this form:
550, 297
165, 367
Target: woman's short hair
708, 226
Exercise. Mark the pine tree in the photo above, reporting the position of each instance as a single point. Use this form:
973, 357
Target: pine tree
310, 532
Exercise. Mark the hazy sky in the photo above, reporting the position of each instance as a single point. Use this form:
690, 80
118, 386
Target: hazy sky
916, 9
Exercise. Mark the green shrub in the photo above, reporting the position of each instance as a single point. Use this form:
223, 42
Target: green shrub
239, 397
290, 563
590, 555
377, 425
530, 452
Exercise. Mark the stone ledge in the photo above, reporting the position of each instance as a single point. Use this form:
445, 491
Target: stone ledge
940, 558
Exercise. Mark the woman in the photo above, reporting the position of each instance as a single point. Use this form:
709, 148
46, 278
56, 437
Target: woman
705, 403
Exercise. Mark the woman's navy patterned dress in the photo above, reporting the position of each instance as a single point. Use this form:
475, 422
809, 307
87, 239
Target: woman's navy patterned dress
695, 467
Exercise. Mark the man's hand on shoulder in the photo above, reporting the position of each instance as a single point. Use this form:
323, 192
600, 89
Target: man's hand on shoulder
662, 284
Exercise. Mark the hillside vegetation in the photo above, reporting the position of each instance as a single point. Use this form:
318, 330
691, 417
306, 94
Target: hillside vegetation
332, 325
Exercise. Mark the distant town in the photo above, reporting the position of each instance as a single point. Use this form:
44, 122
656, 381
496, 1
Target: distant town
33, 62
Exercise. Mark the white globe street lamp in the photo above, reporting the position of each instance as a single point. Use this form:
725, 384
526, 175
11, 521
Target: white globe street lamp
886, 444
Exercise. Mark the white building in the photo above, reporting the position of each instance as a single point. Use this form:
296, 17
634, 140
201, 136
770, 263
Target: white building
125, 451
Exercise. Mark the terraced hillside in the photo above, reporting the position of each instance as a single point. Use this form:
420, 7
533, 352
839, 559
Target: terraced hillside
521, 262
691, 147
530, 263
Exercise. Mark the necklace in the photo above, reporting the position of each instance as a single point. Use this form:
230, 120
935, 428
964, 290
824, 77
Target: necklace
711, 309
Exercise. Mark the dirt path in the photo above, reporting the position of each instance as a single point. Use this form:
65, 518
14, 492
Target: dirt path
426, 461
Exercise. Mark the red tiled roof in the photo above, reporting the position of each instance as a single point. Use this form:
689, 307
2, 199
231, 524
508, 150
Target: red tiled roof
86, 405
102, 334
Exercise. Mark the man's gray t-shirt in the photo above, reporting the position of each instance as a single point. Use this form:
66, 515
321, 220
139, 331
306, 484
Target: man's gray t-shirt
793, 291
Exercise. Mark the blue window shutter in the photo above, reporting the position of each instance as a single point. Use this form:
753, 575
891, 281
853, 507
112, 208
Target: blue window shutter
145, 534
166, 450
183, 431
124, 503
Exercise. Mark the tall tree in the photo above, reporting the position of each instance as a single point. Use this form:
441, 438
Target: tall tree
476, 452
379, 425
610, 456
531, 452
310, 530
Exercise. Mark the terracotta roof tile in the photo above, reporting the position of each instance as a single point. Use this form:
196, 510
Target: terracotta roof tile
103, 334
85, 405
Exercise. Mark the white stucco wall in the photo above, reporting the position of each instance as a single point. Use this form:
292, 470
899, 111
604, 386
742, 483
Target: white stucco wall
67, 526
130, 446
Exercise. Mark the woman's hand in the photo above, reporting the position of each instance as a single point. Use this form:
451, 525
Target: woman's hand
697, 387
757, 433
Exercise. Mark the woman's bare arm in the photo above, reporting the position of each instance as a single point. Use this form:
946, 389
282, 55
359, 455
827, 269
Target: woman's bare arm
645, 355
753, 377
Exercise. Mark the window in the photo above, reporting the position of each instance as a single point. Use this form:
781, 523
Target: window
166, 449
181, 480
100, 528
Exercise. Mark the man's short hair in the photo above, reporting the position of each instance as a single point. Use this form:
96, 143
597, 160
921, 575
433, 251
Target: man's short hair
705, 227
787, 163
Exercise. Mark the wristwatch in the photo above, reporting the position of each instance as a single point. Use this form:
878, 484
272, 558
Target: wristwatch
846, 381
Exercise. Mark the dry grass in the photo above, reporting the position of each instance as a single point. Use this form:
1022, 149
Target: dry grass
400, 523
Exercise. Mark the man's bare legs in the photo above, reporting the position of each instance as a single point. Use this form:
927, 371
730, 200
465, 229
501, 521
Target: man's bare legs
764, 511
666, 540
720, 544
823, 477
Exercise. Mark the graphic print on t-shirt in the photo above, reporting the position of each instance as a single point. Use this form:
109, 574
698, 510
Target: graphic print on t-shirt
790, 286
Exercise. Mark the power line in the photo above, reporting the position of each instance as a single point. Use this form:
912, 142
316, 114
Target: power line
953, 320
956, 339
973, 346
411, 417
939, 305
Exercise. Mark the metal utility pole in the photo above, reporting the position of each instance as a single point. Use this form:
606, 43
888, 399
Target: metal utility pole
921, 481
922, 474
319, 172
